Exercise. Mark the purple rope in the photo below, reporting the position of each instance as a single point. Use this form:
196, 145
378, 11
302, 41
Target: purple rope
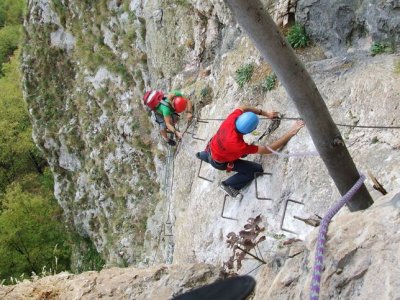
319, 252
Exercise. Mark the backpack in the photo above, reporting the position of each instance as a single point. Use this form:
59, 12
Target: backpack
153, 98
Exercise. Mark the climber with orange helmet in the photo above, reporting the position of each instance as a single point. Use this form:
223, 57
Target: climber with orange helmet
227, 147
166, 113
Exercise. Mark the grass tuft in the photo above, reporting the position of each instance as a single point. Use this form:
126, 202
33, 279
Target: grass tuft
243, 74
297, 37
379, 48
269, 82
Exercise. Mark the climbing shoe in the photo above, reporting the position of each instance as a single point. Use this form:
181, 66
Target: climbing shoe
171, 142
229, 190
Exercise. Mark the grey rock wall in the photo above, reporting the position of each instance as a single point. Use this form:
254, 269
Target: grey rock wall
86, 65
360, 262
340, 25
360, 259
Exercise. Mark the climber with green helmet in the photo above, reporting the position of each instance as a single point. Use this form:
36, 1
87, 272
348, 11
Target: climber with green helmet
227, 147
166, 110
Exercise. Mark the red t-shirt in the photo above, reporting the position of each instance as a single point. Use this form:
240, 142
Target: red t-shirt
228, 144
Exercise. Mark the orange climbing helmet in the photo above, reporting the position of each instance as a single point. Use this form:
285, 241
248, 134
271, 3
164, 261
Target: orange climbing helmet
179, 104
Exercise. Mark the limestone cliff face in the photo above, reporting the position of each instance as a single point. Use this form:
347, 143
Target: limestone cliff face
361, 254
361, 262
87, 63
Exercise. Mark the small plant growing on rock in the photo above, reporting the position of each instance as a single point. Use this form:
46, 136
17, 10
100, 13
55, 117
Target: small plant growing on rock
243, 243
205, 92
269, 82
379, 48
243, 74
297, 36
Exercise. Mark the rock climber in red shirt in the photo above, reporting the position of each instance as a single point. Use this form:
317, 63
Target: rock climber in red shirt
227, 147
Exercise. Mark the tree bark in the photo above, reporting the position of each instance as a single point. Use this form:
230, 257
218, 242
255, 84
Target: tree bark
260, 27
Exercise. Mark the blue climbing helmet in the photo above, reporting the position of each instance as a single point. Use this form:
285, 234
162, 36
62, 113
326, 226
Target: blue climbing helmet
247, 122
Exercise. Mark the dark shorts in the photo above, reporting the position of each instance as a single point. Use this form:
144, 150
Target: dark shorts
160, 120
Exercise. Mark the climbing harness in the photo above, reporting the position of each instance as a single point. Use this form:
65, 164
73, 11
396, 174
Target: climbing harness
229, 167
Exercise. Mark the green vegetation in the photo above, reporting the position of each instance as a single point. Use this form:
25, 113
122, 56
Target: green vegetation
32, 235
18, 154
89, 259
58, 7
379, 48
397, 67
9, 40
243, 74
205, 92
269, 82
297, 36
34, 239
94, 53
11, 12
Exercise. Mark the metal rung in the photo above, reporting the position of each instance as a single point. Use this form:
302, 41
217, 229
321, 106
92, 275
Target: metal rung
223, 208
165, 233
193, 133
195, 137
198, 173
258, 174
284, 213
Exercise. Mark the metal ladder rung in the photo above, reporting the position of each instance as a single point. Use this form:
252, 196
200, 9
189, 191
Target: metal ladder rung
284, 213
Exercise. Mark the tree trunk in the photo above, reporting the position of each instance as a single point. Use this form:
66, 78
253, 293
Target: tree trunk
38, 167
260, 27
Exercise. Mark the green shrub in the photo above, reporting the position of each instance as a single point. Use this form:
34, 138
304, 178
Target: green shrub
18, 153
11, 12
297, 37
269, 82
9, 40
32, 236
243, 75
379, 48
204, 92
